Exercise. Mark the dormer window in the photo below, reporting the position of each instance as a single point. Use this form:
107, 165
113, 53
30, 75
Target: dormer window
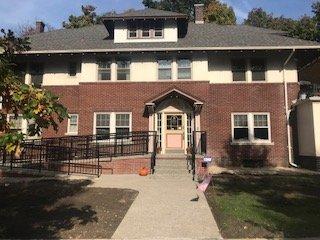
145, 29
132, 31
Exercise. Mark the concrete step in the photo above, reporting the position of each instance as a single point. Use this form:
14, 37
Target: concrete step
171, 172
184, 167
172, 156
171, 163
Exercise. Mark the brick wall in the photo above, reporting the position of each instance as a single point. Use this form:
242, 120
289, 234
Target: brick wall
126, 165
220, 100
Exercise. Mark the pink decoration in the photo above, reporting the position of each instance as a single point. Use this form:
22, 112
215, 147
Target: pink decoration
203, 186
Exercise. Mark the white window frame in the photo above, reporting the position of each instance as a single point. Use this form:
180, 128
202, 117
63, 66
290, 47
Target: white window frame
252, 140
112, 125
23, 123
110, 69
158, 68
186, 58
117, 69
69, 124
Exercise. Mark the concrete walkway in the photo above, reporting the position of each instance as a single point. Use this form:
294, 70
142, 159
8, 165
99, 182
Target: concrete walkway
163, 208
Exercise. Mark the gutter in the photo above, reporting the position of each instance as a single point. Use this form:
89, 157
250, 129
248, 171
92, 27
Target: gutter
152, 49
288, 111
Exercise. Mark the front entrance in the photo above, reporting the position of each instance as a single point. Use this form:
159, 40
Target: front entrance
174, 115
174, 132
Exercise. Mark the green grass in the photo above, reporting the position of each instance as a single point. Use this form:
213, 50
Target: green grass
266, 206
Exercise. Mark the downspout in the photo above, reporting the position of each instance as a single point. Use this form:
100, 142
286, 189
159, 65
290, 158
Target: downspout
288, 111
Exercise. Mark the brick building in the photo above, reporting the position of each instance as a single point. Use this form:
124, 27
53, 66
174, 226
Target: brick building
153, 70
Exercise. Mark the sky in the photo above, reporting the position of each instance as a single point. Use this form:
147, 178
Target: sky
18, 12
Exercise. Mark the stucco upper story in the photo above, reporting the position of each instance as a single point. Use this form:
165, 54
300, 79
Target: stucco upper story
155, 45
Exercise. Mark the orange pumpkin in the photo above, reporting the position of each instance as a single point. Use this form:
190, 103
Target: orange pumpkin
144, 171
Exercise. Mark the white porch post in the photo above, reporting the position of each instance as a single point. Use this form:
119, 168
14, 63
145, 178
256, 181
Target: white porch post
151, 128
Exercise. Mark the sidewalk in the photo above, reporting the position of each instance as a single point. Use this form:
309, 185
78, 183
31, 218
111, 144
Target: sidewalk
163, 208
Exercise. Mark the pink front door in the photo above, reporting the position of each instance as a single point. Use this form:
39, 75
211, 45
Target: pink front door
174, 131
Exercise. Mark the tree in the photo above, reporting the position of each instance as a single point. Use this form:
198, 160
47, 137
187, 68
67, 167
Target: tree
307, 27
257, 17
38, 106
215, 11
27, 29
181, 6
219, 13
88, 18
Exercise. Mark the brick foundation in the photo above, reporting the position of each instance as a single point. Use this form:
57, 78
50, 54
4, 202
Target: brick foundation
220, 100
125, 165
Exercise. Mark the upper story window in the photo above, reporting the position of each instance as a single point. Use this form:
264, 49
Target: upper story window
145, 29
123, 70
158, 30
132, 31
104, 70
73, 69
36, 71
251, 127
238, 67
258, 69
184, 68
164, 69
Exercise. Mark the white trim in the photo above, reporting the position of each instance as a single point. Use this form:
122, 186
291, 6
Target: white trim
173, 49
68, 126
112, 124
250, 119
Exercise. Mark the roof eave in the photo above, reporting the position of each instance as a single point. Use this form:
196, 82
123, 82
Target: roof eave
252, 48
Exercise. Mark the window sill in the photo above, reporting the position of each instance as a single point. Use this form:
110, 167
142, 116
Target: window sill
71, 134
256, 143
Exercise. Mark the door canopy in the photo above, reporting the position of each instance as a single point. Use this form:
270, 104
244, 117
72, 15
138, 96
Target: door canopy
173, 94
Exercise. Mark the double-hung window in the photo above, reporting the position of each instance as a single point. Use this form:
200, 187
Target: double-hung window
104, 70
238, 67
73, 124
158, 30
72, 69
184, 68
122, 124
132, 31
15, 122
36, 71
102, 125
146, 30
251, 127
164, 69
240, 127
123, 70
261, 127
258, 69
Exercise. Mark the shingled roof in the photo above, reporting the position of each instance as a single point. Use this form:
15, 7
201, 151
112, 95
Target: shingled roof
144, 13
208, 36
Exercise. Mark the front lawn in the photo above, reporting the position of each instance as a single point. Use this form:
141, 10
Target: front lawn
266, 206
61, 209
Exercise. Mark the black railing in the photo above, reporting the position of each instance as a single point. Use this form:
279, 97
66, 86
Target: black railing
81, 154
198, 147
154, 152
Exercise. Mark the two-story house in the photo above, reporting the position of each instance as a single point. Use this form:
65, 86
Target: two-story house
153, 70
